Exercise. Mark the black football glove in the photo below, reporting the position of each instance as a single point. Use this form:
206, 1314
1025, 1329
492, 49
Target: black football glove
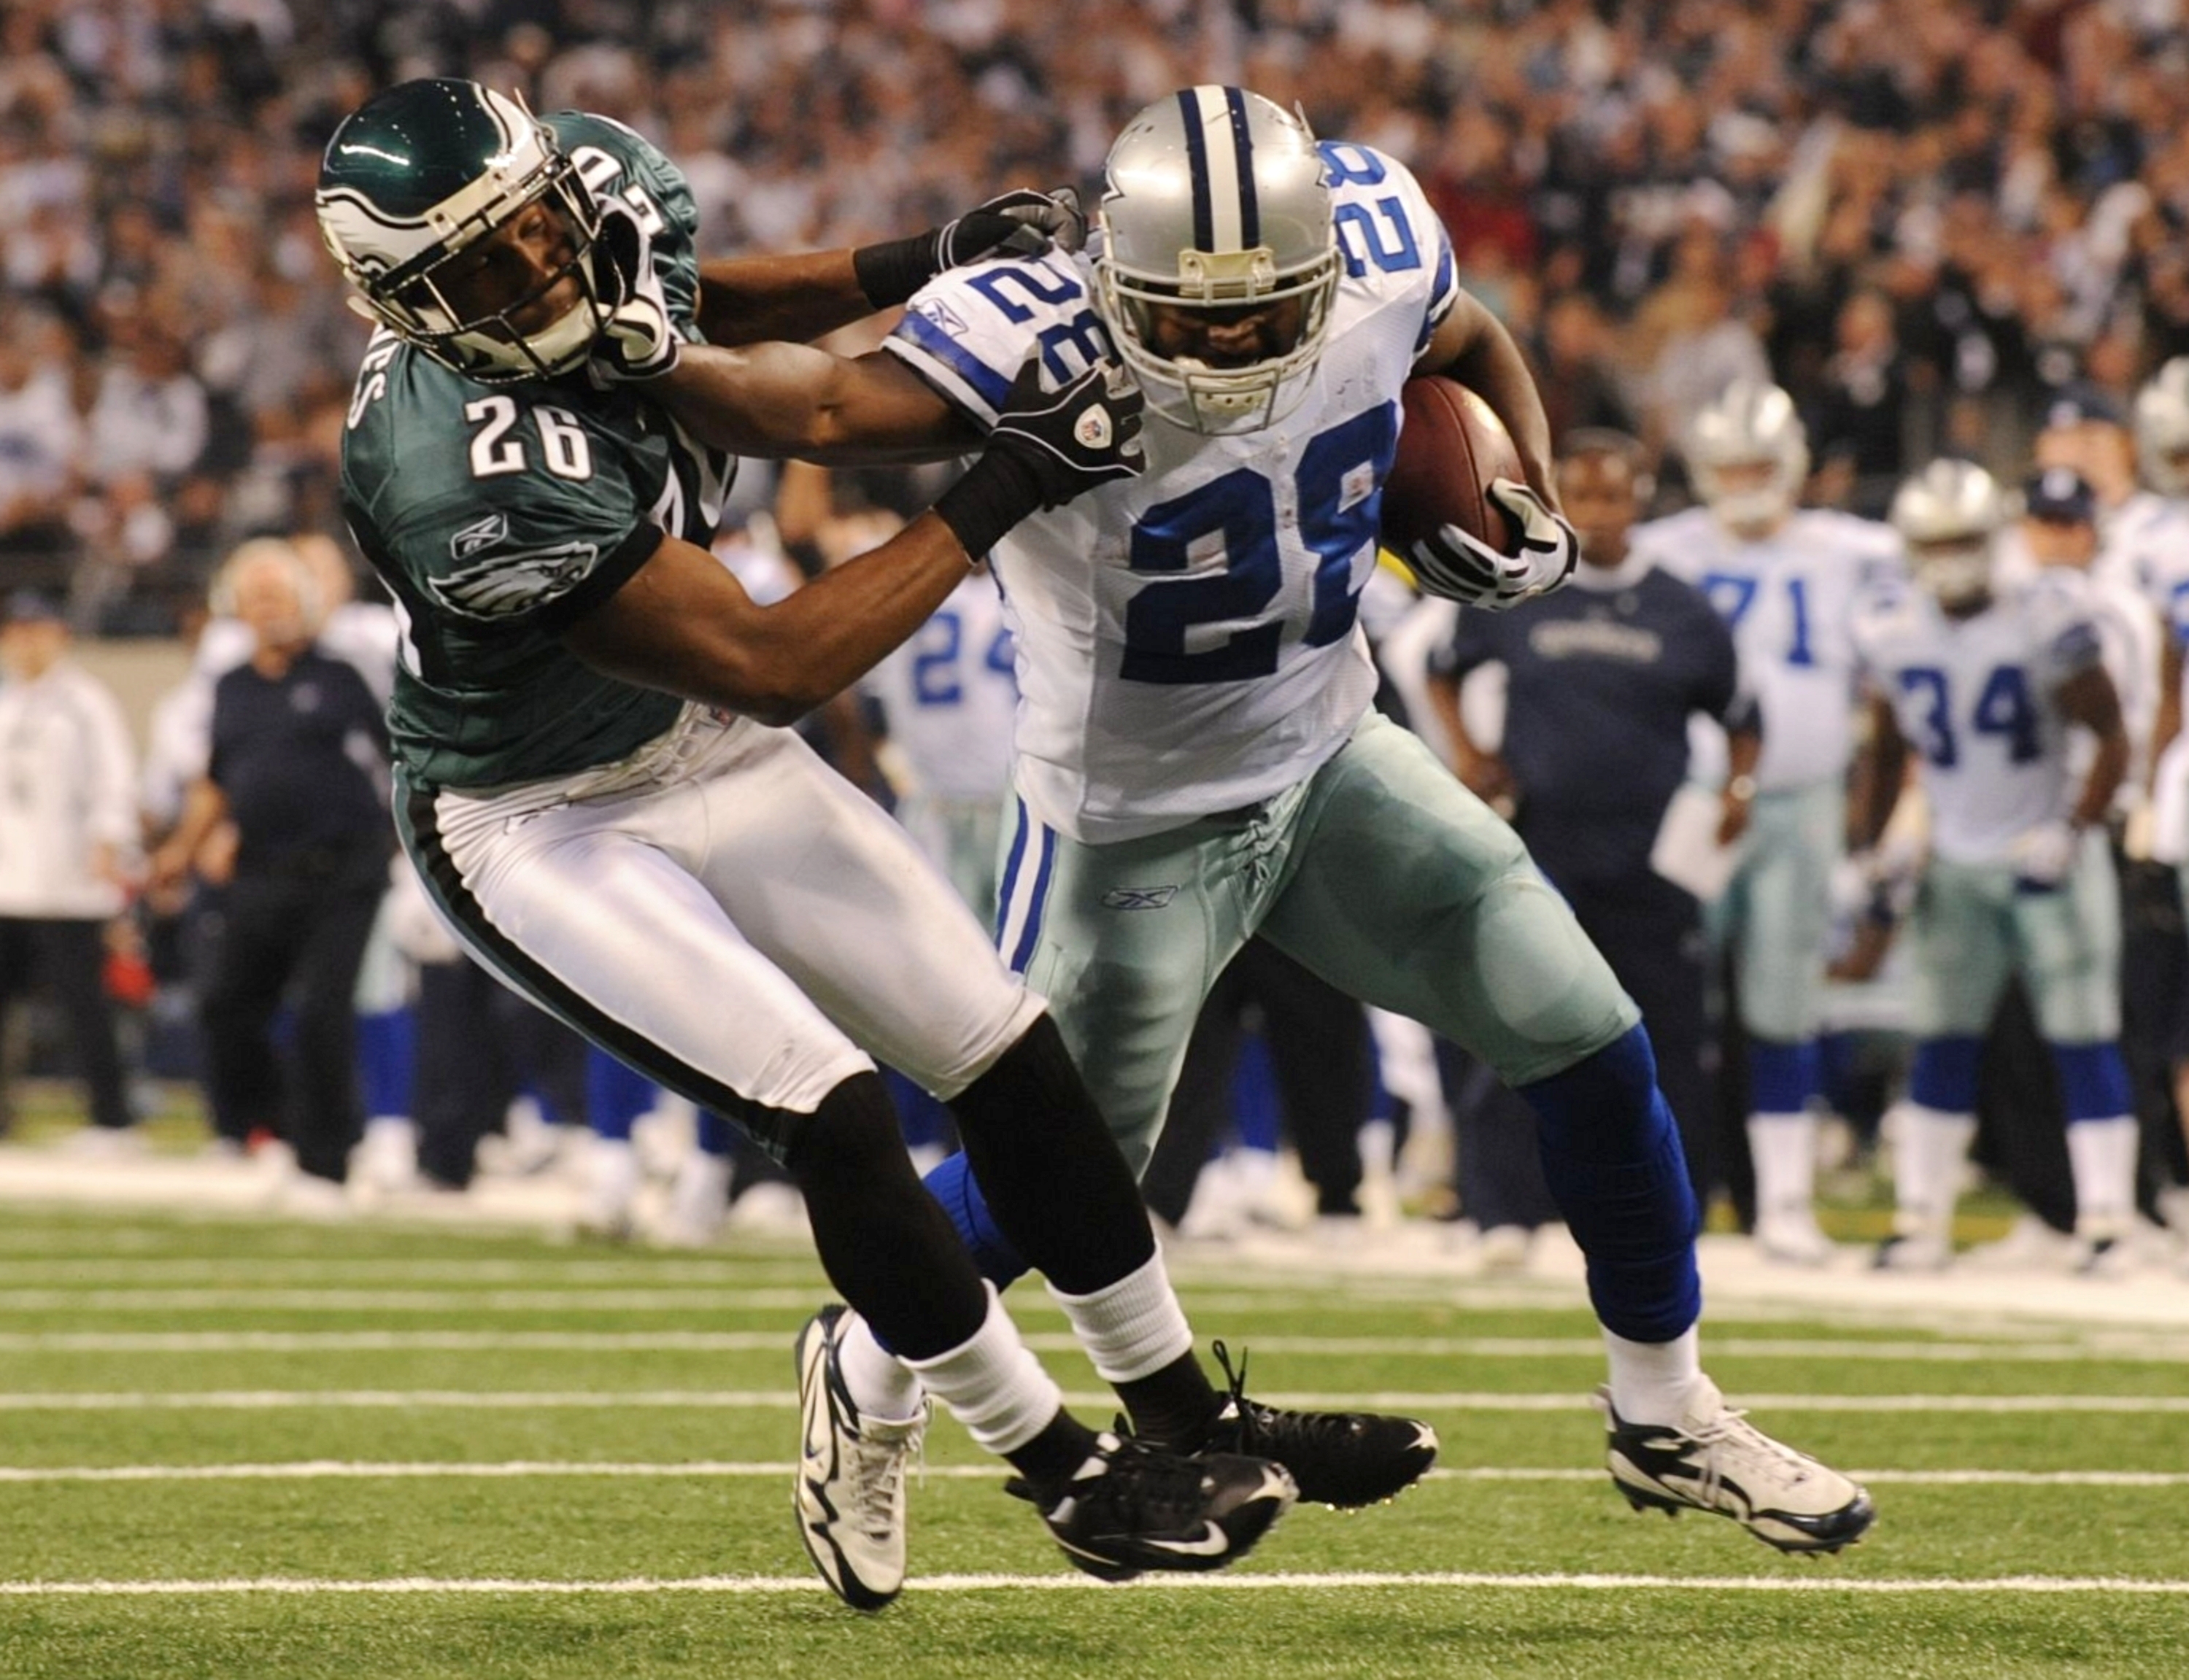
639, 340
1046, 448
1020, 223
1458, 566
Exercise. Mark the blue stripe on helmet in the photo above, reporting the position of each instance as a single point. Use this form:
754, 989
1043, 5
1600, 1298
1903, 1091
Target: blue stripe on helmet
1197, 165
1250, 212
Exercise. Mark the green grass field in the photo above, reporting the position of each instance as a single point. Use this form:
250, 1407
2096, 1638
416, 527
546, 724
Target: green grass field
240, 1449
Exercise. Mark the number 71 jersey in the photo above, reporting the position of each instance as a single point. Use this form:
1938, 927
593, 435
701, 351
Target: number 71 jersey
1187, 642
1975, 698
1787, 600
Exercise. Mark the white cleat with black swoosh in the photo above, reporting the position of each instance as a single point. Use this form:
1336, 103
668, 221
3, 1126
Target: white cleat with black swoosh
1131, 1508
850, 1495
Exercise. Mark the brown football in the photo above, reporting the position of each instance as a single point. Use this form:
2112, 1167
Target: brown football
1450, 448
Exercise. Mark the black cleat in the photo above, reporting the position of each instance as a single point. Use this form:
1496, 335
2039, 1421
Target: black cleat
1131, 1507
1346, 1459
1715, 1460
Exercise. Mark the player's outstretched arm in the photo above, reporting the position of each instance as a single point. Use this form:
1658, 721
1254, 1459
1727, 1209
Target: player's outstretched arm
752, 299
790, 401
682, 624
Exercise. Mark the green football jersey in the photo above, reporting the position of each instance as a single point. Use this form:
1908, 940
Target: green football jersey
499, 514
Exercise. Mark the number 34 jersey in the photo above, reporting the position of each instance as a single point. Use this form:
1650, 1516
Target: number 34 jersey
1975, 697
1187, 641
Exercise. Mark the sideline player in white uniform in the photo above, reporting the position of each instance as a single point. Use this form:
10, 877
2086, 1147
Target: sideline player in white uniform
1197, 759
1784, 580
1986, 688
948, 696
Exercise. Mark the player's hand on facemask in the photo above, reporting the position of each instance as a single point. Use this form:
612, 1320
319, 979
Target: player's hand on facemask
639, 340
1463, 568
2042, 856
1020, 223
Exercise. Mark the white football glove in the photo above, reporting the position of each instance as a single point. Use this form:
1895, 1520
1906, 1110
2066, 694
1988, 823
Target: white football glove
1464, 568
2043, 855
639, 340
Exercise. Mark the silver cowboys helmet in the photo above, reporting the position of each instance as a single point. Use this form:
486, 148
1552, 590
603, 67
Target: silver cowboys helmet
2161, 429
1748, 454
1949, 515
1214, 199
414, 179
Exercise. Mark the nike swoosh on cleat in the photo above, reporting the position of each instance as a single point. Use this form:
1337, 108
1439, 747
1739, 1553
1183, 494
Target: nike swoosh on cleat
1425, 1437
1212, 1543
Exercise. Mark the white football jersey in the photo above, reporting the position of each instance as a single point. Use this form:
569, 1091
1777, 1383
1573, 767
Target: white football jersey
1788, 600
1187, 640
1975, 698
949, 694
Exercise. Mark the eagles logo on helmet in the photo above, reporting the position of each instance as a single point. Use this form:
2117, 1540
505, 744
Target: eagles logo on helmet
412, 185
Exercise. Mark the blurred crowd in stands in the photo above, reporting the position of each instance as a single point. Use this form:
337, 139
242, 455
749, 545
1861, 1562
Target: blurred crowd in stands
1917, 216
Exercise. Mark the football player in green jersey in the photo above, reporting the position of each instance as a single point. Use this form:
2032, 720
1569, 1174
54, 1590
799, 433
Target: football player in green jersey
591, 784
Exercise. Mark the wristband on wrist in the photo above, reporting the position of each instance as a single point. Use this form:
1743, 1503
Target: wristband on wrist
997, 492
889, 272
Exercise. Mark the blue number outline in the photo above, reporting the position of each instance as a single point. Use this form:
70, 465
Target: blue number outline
1242, 505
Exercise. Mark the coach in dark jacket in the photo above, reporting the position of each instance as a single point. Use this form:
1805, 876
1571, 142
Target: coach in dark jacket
299, 766
1602, 679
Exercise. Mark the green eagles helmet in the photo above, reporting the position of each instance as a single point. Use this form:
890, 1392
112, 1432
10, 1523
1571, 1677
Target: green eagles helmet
418, 176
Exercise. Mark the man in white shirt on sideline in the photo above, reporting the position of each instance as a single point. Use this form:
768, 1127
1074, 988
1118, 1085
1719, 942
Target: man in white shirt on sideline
68, 819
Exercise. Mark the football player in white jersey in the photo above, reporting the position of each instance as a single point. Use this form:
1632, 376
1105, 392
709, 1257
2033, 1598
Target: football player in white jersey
1986, 687
1784, 580
2162, 450
1197, 760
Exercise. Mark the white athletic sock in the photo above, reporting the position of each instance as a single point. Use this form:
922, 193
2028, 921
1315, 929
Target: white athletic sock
1650, 1381
993, 1384
1133, 1327
881, 1384
1784, 1148
1930, 1149
2102, 1154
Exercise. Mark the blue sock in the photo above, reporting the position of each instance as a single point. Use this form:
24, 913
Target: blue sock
1943, 1074
388, 1060
1612, 1158
952, 1184
1783, 1075
615, 1096
2093, 1081
713, 1134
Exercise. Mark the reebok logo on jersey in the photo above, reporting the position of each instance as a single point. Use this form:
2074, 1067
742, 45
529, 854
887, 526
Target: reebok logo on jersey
474, 539
942, 314
1139, 898
509, 583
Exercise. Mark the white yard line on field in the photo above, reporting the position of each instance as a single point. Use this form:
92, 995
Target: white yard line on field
507, 1400
330, 1469
1290, 1581
2122, 1349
